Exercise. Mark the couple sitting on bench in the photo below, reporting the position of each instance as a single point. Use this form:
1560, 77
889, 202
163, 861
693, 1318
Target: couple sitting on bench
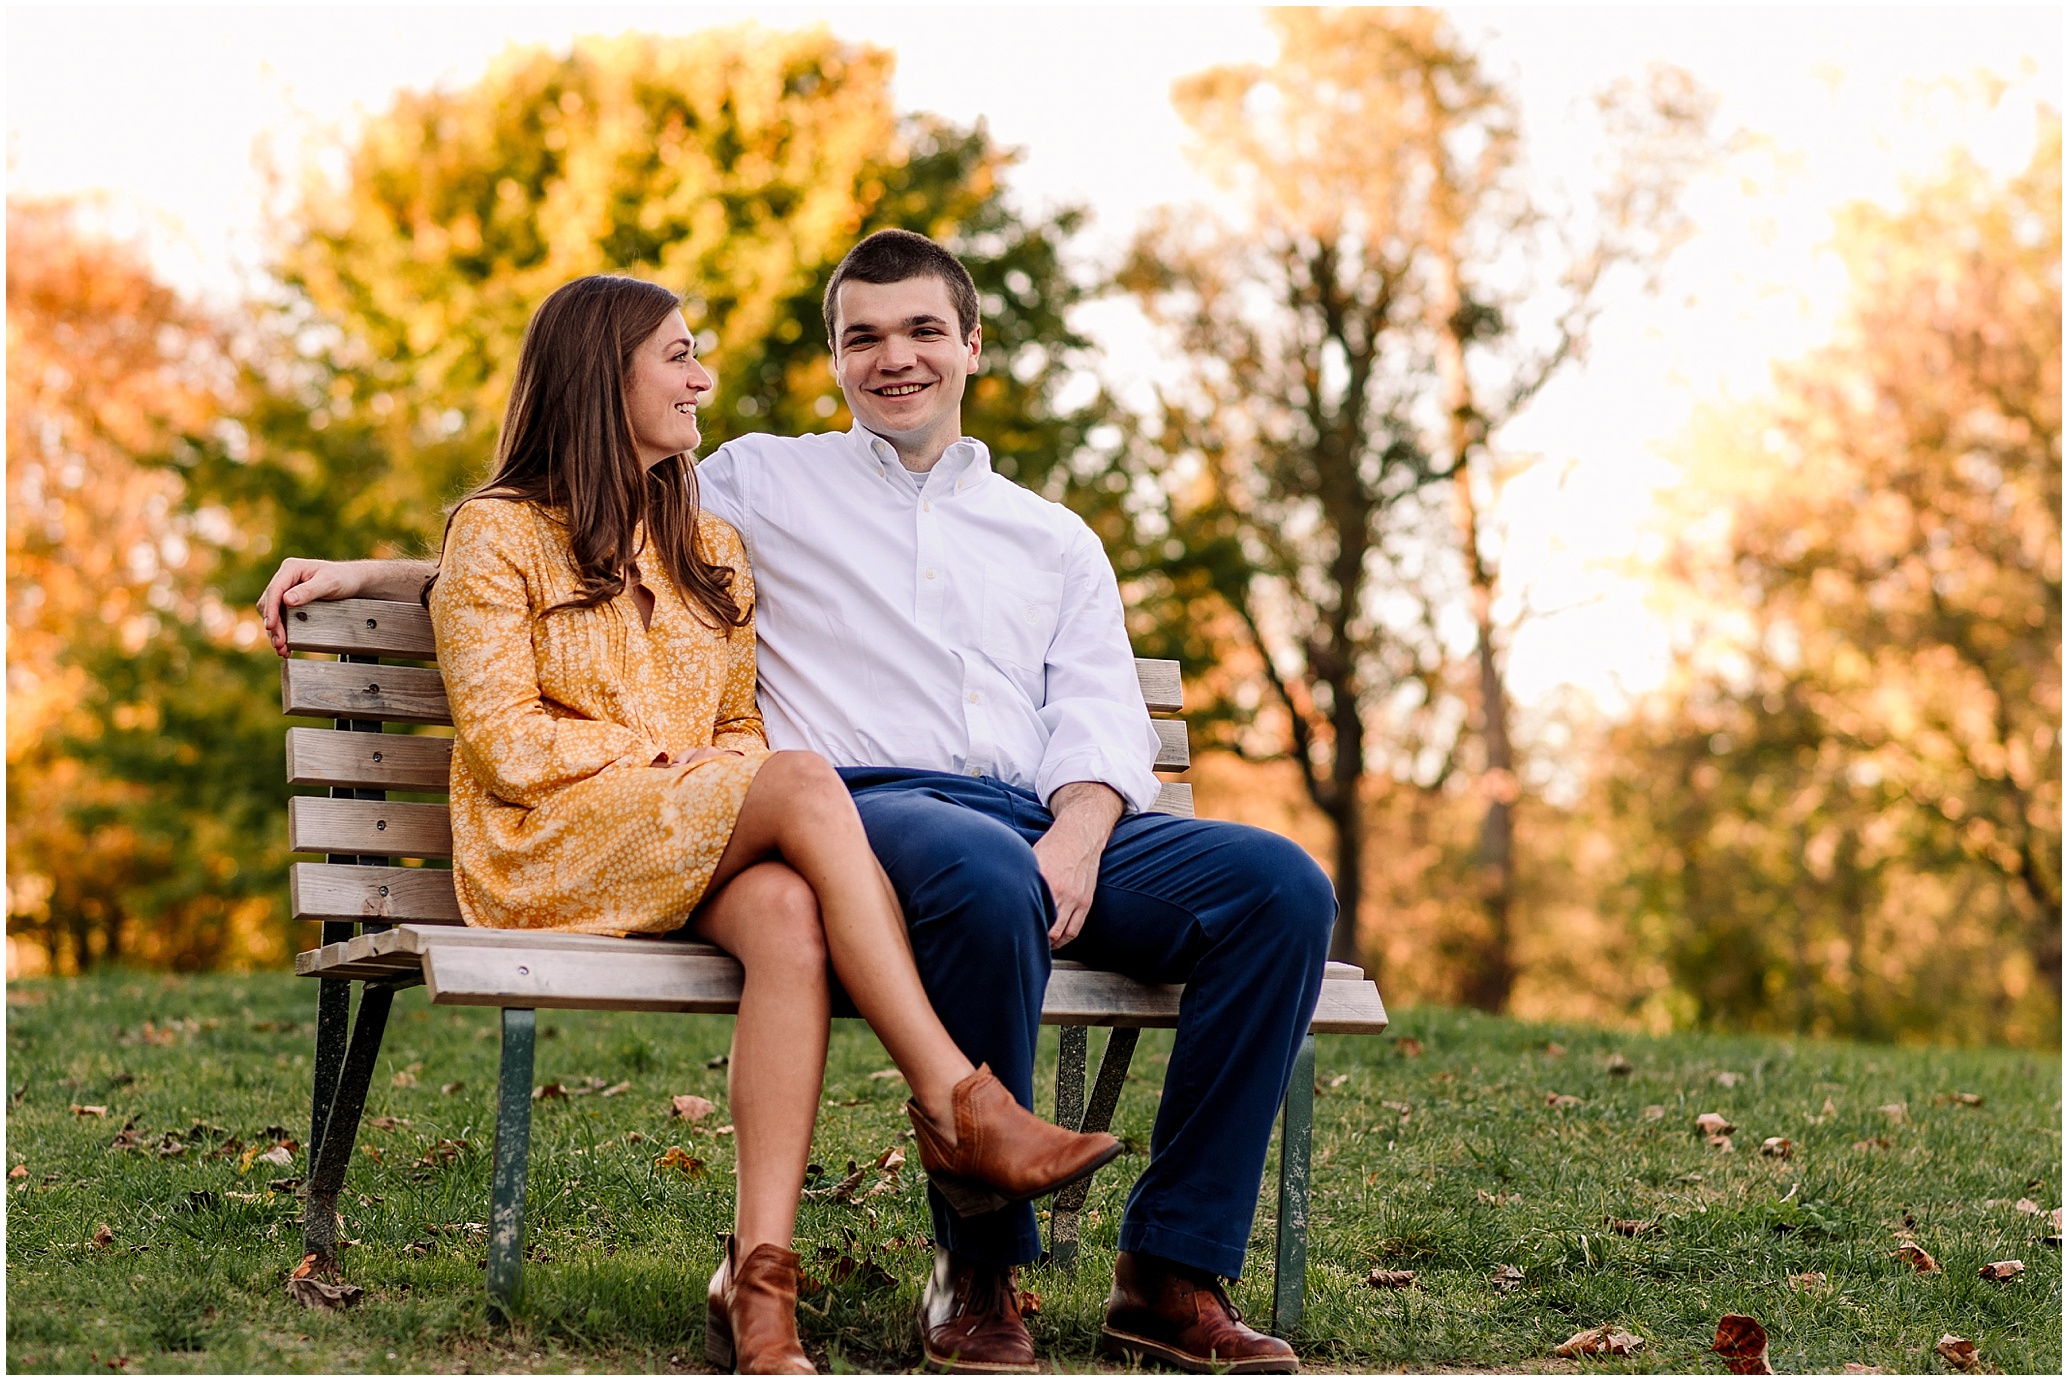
945, 783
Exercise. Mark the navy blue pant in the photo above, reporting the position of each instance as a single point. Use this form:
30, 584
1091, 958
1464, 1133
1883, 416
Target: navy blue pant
1239, 915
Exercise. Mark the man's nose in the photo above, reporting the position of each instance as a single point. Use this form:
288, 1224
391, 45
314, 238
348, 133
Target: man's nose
897, 353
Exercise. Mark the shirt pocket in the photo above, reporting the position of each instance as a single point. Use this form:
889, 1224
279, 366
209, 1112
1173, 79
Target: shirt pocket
1021, 610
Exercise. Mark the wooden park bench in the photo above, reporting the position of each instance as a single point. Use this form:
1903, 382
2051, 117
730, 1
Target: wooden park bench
390, 927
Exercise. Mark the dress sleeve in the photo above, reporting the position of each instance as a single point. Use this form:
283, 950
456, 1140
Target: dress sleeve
739, 723
482, 614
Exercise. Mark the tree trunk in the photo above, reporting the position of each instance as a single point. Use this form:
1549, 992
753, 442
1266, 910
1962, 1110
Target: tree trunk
1347, 814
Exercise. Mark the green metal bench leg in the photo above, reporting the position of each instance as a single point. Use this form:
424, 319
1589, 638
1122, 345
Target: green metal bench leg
329, 1161
512, 1148
1295, 1151
1097, 1117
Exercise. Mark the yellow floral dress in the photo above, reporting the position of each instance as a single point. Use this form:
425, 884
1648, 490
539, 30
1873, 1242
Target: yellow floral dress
560, 820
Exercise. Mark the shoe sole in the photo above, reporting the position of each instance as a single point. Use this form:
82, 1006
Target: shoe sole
1123, 1346
957, 1366
973, 1198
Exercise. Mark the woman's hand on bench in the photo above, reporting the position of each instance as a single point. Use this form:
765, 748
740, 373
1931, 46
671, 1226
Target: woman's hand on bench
302, 581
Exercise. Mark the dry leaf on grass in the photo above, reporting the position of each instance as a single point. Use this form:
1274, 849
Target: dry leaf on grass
103, 1236
634, 1138
1498, 1200
279, 1155
1720, 1143
2003, 1270
1599, 1342
888, 1074
1655, 1112
1562, 1100
1382, 1279
675, 1158
1959, 1353
312, 1293
1895, 1112
387, 1123
892, 1158
1963, 1100
546, 1091
1506, 1279
406, 1078
2027, 1206
1916, 1257
89, 1110
691, 1108
1618, 1065
842, 1191
20, 1172
1409, 1047
1860, 1369
1873, 1143
1714, 1124
1631, 1227
1741, 1343
443, 1151
1778, 1147
127, 1139
1811, 1282
454, 1087
1338, 1080
1729, 1078
1554, 1050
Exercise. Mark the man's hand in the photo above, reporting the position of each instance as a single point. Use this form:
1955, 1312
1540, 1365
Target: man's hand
301, 581
1068, 855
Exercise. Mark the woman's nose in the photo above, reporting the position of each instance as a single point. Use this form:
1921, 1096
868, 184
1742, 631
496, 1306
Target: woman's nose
700, 378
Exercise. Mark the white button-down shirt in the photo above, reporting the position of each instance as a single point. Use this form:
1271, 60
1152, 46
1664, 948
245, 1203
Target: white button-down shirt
960, 624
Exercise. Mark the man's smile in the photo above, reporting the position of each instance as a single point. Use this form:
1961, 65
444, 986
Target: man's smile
899, 390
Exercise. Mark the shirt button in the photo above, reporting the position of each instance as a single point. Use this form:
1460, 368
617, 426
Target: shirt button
926, 506
974, 698
929, 573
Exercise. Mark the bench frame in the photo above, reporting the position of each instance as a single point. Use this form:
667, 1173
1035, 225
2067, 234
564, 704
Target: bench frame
387, 927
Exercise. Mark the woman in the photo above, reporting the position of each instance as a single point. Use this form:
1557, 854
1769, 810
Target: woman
597, 641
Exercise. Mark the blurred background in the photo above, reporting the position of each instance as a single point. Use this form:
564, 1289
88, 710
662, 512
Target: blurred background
1600, 470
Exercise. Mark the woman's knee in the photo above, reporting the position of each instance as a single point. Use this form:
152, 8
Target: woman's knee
808, 786
781, 930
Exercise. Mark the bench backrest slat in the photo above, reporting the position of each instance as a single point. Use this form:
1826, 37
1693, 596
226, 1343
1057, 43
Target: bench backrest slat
341, 892
380, 762
388, 829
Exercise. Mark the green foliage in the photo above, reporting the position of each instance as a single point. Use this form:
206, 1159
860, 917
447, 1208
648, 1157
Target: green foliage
1408, 1154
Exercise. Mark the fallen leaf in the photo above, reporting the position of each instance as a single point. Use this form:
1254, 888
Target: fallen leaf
1720, 1143
1404, 1109
385, 1123
20, 1172
1554, 1050
2053, 1239
406, 1078
1506, 1279
2003, 1270
1381, 1279
1338, 1080
103, 1236
633, 1138
1631, 1227
1778, 1147
454, 1087
1496, 1199
887, 1074
725, 1130
1741, 1342
311, 1293
1729, 1078
1910, 1254
2027, 1206
89, 1110
615, 1089
1599, 1342
279, 1155
843, 1190
1860, 1369
1030, 1303
548, 1091
1655, 1112
718, 1062
1958, 1352
1964, 1100
1714, 1124
372, 1153
1895, 1112
691, 1108
891, 1159
170, 1146
1811, 1282
675, 1158
1409, 1047
443, 1151
1562, 1100
127, 1139
1873, 1143
1618, 1065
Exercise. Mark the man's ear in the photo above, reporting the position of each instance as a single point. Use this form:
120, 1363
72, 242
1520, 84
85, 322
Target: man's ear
976, 349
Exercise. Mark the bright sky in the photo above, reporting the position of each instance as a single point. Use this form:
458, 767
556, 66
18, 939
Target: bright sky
166, 109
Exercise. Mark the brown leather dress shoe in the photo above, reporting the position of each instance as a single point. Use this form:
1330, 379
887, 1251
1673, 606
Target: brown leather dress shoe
1173, 1315
1002, 1153
751, 1323
969, 1318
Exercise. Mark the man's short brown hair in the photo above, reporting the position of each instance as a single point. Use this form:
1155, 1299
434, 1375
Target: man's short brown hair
892, 256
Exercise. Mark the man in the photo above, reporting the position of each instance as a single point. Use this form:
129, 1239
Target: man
956, 646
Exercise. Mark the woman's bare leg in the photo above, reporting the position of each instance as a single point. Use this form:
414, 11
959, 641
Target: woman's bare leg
767, 917
798, 810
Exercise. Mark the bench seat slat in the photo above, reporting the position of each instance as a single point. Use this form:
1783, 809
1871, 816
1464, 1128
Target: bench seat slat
396, 829
480, 967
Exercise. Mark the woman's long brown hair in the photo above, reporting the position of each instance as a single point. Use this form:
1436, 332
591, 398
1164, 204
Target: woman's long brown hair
567, 446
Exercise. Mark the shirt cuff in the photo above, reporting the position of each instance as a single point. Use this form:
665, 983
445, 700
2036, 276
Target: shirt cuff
1136, 786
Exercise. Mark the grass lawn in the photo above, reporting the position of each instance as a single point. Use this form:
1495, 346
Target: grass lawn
1450, 1161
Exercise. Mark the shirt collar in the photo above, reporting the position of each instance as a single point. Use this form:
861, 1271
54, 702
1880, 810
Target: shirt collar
964, 466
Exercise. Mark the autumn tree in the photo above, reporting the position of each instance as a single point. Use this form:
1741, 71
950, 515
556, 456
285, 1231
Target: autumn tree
1321, 483
131, 827
1845, 814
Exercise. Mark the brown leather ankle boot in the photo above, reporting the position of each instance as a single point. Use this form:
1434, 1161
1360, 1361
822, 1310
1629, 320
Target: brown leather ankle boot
750, 1326
1181, 1317
1002, 1153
